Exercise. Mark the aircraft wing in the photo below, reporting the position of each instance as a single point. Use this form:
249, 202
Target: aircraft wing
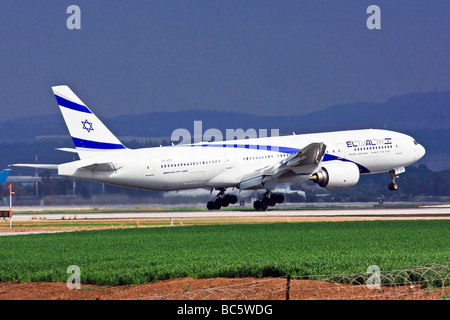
303, 162
104, 166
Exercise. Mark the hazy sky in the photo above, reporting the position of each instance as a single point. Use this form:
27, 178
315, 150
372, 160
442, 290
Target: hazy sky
260, 57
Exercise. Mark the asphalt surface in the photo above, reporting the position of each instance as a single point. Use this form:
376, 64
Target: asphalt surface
426, 211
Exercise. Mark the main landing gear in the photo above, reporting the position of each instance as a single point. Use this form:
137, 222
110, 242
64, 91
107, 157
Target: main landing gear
221, 200
269, 199
393, 186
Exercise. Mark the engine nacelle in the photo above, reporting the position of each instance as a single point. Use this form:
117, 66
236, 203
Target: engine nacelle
337, 175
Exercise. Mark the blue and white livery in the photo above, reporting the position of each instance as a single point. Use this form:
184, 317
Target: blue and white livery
331, 159
87, 131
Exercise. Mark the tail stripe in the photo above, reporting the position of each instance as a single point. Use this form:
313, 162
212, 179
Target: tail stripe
72, 105
82, 143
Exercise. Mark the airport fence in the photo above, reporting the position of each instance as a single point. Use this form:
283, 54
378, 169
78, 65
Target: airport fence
426, 282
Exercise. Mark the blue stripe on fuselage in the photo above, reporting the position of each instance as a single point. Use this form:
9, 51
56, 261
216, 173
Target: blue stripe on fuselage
71, 105
249, 146
330, 157
326, 157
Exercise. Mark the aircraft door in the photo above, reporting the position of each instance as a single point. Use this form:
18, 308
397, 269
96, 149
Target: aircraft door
340, 151
229, 158
149, 168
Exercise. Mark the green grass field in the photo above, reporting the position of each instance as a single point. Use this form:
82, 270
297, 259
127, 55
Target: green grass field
140, 255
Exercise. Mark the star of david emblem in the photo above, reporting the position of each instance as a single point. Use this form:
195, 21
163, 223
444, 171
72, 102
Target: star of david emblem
87, 125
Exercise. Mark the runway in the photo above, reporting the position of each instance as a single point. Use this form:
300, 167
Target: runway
425, 211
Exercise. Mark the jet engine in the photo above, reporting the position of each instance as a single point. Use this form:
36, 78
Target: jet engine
337, 175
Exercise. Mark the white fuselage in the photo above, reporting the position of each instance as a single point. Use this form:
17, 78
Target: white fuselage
223, 164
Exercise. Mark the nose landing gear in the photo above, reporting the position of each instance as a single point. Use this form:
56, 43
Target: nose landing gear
269, 199
221, 200
393, 186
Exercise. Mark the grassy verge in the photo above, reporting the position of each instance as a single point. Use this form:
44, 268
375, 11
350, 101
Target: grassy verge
139, 255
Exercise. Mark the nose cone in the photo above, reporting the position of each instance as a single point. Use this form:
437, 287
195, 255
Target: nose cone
420, 152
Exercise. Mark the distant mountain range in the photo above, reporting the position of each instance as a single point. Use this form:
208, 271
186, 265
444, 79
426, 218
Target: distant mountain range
405, 113
423, 115
416, 111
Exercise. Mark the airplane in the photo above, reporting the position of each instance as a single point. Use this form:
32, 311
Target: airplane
4, 175
330, 159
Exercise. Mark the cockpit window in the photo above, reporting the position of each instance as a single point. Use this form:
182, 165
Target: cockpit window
415, 142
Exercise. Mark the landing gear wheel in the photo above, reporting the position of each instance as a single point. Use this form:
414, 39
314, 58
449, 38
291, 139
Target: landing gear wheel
276, 198
221, 200
225, 202
269, 199
210, 205
264, 203
272, 201
232, 198
279, 198
393, 186
217, 203
229, 199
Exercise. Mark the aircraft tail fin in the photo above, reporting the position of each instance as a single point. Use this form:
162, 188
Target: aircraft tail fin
87, 131
4, 175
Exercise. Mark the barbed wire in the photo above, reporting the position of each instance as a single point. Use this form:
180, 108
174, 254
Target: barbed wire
432, 275
430, 281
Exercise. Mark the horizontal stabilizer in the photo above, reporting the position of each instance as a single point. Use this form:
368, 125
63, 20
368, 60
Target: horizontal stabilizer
71, 150
38, 166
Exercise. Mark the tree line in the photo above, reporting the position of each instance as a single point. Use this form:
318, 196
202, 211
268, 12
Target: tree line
417, 183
